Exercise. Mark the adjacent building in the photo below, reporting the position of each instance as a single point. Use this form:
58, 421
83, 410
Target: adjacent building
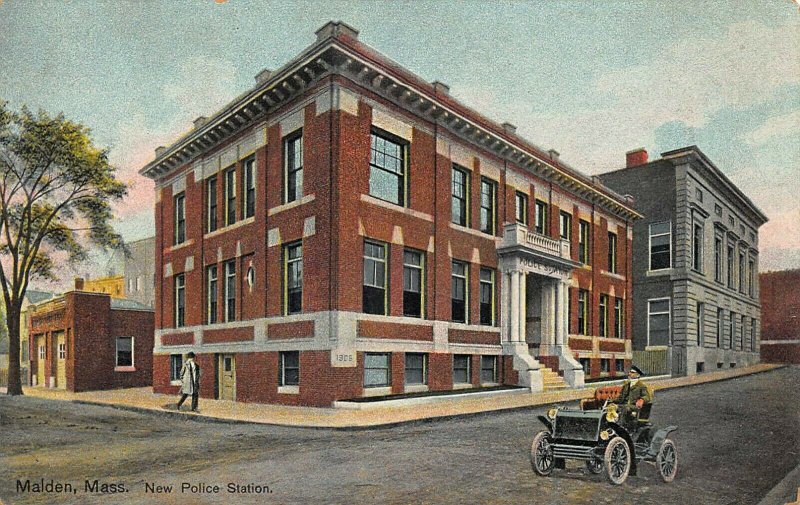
780, 316
140, 271
695, 266
114, 285
83, 341
32, 297
347, 229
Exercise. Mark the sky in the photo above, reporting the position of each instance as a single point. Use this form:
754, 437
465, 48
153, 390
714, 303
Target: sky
591, 80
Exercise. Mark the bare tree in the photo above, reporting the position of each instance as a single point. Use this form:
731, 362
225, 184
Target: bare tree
56, 191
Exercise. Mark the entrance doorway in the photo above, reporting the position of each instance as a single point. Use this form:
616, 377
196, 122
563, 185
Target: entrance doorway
40, 360
61, 360
227, 377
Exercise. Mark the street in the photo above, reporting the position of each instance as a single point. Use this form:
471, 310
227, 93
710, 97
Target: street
736, 440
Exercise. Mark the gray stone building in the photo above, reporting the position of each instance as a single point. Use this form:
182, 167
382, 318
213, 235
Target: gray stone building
695, 263
140, 271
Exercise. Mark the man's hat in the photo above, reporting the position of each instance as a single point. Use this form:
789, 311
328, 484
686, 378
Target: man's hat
190, 354
636, 369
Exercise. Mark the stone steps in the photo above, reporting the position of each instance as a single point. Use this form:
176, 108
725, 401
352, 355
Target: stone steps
552, 381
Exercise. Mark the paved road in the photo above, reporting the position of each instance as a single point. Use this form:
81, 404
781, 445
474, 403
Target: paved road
737, 439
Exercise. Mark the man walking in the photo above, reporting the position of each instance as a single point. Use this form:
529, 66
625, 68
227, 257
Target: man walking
190, 378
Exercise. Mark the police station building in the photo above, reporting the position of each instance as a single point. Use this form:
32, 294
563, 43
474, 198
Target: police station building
346, 229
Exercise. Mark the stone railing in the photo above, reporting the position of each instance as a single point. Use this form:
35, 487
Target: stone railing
518, 234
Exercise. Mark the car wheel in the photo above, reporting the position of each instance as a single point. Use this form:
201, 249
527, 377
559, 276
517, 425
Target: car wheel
667, 460
617, 460
542, 459
595, 465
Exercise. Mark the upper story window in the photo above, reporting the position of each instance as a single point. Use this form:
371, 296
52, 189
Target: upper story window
180, 218
541, 217
293, 166
460, 195
293, 267
619, 319
374, 290
387, 168
603, 315
583, 242
742, 272
211, 294
751, 281
230, 290
612, 252
487, 297
697, 246
459, 291
249, 190
522, 208
211, 204
180, 300
660, 245
698, 193
565, 225
488, 198
718, 258
230, 196
731, 252
583, 312
717, 209
413, 282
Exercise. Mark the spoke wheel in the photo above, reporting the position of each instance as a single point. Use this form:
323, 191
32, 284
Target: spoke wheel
617, 460
667, 460
542, 459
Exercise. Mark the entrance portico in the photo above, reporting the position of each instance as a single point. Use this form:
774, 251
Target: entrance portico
536, 273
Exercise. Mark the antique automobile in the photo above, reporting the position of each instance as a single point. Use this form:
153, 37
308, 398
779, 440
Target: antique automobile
596, 434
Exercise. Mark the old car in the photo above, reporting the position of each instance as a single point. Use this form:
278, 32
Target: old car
606, 444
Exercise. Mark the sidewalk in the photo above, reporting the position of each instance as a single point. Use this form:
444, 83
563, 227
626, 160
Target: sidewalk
440, 407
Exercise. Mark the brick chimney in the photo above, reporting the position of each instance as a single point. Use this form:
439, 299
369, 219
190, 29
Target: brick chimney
78, 283
636, 157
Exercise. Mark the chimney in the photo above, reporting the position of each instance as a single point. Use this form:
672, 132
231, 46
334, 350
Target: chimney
636, 157
510, 128
263, 76
441, 88
334, 28
629, 199
78, 283
160, 150
553, 154
200, 121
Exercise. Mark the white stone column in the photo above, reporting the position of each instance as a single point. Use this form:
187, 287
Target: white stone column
559, 308
514, 308
552, 308
523, 309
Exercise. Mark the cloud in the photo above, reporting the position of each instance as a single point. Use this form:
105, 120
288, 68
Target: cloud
779, 126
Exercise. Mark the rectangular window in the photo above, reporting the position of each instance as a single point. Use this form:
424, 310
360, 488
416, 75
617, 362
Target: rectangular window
413, 283
249, 200
374, 291
230, 290
387, 168
603, 315
461, 369
180, 218
180, 300
586, 365
660, 245
612, 252
540, 217
751, 281
753, 329
583, 312
487, 296
23, 349
619, 319
565, 225
699, 194
719, 327
62, 351
124, 351
700, 322
293, 280
742, 273
522, 208
742, 329
42, 352
489, 369
730, 265
175, 365
211, 204
488, 205
583, 242
460, 195
212, 294
658, 322
376, 369
697, 246
718, 259
731, 329
289, 373
619, 365
230, 196
459, 291
605, 365
416, 368
293, 166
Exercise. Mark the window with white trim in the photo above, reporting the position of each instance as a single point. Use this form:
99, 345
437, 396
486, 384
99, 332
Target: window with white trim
612, 252
387, 167
175, 366
413, 283
603, 315
583, 312
658, 322
377, 370
124, 351
697, 246
461, 369
374, 292
489, 369
211, 204
293, 282
230, 290
583, 241
416, 370
459, 189
700, 322
619, 318
660, 245
521, 208
459, 292
565, 225
487, 295
293, 166
211, 294
180, 218
289, 370
230, 196
180, 300
249, 189
488, 205
540, 217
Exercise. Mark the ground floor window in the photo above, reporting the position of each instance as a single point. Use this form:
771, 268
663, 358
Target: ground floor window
289, 368
175, 365
124, 351
489, 369
62, 351
605, 365
461, 370
585, 364
376, 369
658, 322
620, 365
416, 371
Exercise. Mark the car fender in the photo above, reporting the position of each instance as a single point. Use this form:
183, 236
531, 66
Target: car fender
546, 422
659, 437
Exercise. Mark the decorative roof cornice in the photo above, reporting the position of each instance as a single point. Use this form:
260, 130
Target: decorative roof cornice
338, 52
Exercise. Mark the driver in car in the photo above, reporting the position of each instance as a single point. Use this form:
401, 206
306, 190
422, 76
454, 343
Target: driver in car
635, 394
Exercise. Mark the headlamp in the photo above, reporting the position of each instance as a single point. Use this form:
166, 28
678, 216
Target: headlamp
611, 414
552, 413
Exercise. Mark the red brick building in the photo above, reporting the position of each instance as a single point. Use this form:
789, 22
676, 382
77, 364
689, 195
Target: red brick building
346, 229
84, 341
780, 316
